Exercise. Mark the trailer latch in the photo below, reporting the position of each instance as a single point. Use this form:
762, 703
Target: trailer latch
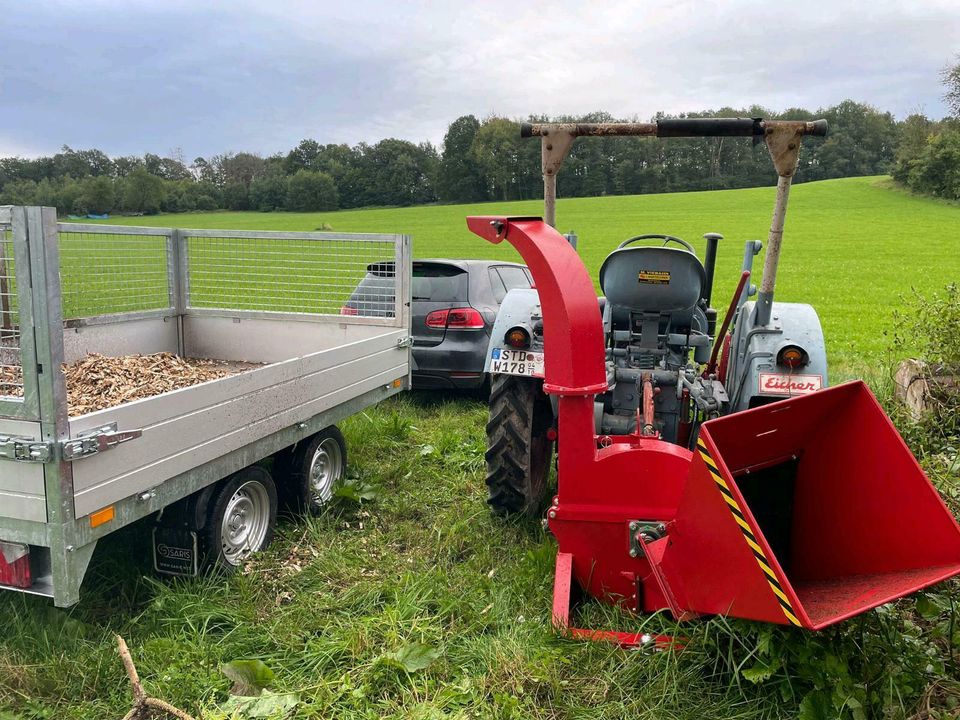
24, 449
93, 441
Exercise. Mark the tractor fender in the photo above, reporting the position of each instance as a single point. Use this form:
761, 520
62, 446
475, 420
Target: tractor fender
520, 307
753, 377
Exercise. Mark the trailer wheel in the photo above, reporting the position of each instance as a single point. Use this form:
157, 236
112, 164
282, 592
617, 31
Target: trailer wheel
312, 470
518, 449
242, 518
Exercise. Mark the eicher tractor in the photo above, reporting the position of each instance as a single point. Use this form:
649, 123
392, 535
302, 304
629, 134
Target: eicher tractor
699, 470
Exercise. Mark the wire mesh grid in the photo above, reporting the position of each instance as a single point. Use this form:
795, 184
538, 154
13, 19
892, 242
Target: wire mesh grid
104, 273
11, 371
328, 276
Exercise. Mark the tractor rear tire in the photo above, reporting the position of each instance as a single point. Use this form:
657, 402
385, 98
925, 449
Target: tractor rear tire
518, 448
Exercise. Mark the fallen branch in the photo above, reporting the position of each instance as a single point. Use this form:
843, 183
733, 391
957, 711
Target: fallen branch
142, 703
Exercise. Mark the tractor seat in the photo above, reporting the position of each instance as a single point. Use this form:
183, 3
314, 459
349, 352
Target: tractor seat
653, 279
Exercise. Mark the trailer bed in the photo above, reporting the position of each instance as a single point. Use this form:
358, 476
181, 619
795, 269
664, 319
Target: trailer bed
265, 302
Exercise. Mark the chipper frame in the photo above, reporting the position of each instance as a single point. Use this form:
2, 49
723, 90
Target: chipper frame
803, 512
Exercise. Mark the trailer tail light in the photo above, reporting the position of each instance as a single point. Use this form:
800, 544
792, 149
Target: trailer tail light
347, 310
15, 564
455, 319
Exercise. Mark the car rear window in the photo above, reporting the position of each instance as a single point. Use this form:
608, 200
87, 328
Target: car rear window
504, 278
439, 283
374, 295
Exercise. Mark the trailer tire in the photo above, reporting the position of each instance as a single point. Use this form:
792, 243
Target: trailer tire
310, 471
518, 448
243, 515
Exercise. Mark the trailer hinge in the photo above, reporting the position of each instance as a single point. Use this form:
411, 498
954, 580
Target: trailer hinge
93, 441
25, 449
404, 342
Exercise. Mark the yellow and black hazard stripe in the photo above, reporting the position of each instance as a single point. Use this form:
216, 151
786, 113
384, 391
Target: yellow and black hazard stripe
748, 535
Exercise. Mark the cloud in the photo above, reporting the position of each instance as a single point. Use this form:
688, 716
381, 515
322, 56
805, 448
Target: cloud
130, 77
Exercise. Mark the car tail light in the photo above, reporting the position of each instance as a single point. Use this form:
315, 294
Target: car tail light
347, 310
456, 319
15, 564
465, 319
437, 319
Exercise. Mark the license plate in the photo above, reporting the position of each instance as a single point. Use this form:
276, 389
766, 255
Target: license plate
516, 362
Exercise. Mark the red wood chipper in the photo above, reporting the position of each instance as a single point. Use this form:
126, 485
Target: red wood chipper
700, 471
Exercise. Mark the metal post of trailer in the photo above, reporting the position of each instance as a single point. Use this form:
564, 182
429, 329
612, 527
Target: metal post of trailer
67, 561
176, 280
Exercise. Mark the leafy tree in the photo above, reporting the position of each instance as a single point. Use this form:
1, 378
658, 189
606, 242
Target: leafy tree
242, 168
913, 134
236, 196
123, 166
19, 192
496, 151
97, 194
268, 191
142, 192
398, 172
303, 157
460, 176
310, 191
951, 80
937, 169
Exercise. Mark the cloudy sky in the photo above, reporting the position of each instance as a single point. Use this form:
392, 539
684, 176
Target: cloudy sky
131, 76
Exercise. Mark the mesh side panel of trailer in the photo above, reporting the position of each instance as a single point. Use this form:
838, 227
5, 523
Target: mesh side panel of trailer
273, 274
11, 370
104, 273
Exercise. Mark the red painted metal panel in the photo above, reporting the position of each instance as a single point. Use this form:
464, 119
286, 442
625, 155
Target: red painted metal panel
859, 524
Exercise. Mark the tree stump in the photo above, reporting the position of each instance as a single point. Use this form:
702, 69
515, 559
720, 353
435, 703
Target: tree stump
925, 388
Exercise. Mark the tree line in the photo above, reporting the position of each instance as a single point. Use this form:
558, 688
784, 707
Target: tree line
479, 160
928, 154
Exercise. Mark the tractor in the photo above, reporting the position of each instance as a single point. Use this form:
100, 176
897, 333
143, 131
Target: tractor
699, 470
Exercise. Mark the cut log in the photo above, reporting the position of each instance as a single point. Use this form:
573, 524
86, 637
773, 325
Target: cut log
925, 388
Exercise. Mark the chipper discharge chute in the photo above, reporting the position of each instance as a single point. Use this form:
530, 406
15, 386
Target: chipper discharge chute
728, 482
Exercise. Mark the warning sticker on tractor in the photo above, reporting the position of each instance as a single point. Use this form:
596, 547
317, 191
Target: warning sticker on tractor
779, 384
654, 277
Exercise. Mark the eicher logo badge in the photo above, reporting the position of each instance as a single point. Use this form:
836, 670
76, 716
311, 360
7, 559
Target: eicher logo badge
777, 384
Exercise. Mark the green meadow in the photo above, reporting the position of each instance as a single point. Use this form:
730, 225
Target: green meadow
853, 248
415, 603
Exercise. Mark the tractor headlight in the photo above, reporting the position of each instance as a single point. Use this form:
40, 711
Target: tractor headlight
792, 356
517, 337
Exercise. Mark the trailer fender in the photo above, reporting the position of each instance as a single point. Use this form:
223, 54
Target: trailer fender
754, 377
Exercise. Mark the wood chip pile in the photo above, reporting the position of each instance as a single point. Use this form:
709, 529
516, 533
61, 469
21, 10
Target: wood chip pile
98, 382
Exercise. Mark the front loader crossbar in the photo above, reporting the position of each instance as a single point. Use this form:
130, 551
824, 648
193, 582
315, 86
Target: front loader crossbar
782, 138
677, 127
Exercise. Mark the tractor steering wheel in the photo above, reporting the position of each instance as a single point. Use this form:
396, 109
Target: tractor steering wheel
656, 236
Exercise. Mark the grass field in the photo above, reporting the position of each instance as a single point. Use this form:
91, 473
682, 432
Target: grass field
418, 604
852, 247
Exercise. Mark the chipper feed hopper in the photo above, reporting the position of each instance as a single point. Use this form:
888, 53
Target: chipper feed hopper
699, 471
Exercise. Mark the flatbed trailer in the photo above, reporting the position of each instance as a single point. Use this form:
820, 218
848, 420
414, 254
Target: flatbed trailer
271, 300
